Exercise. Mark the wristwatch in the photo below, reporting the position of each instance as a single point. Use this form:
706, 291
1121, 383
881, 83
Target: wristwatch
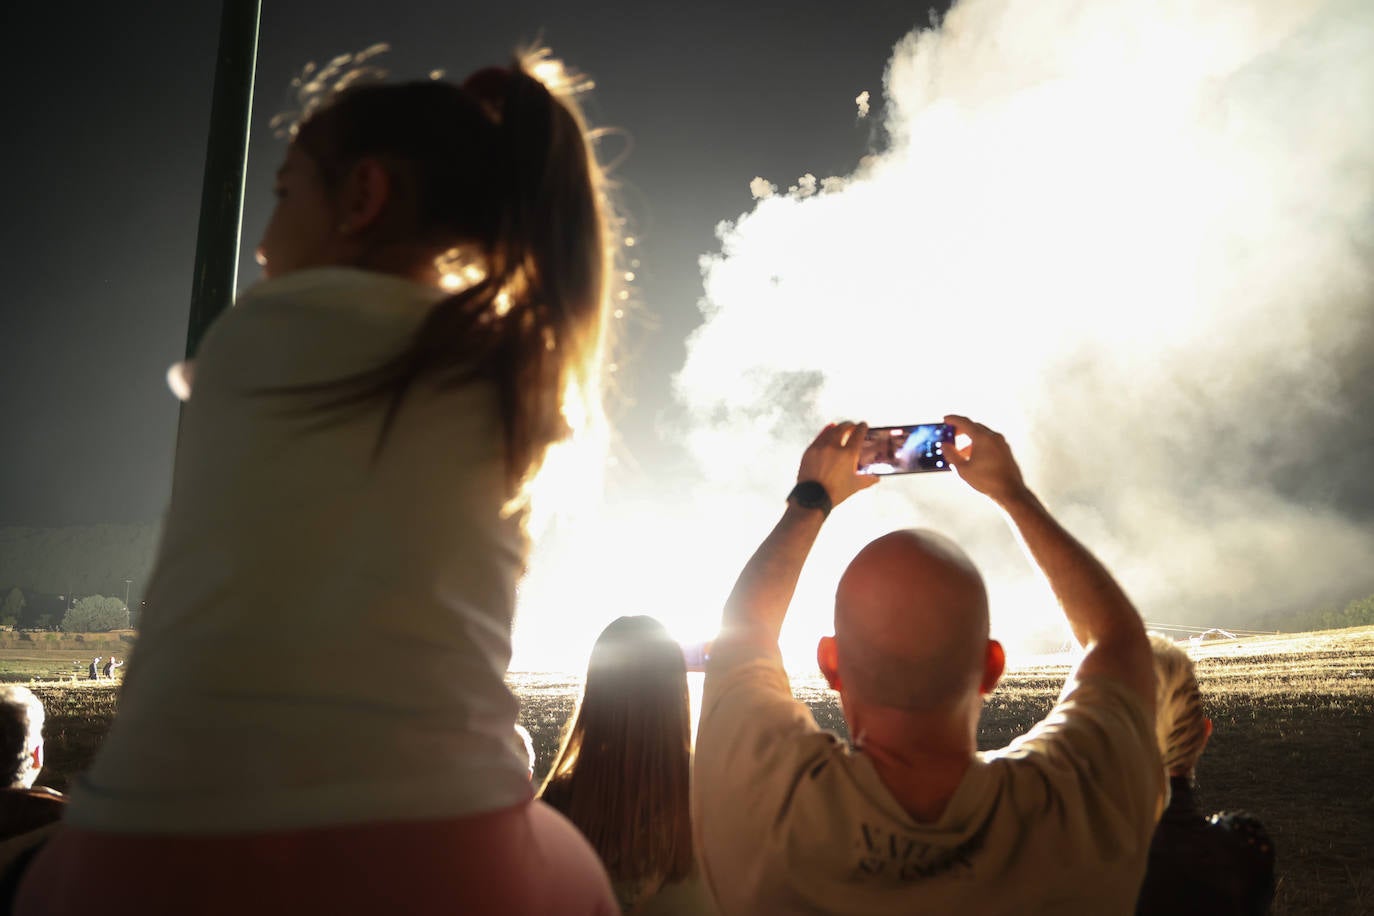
810, 495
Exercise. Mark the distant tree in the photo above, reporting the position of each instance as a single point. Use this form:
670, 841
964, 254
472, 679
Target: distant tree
1358, 613
96, 614
13, 608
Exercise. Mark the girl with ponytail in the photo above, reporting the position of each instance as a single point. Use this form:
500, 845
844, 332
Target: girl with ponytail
316, 717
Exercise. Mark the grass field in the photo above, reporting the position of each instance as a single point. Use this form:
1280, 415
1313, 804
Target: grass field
1293, 743
46, 667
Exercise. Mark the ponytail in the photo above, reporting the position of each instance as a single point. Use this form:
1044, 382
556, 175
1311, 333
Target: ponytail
551, 250
501, 163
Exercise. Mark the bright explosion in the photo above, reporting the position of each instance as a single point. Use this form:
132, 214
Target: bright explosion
1136, 238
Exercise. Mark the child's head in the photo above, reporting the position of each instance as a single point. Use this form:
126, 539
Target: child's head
1180, 726
387, 177
391, 176
497, 173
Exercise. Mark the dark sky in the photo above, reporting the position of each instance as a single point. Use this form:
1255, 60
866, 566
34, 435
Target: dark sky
106, 116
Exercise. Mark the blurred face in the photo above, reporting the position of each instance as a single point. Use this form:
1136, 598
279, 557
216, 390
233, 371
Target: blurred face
303, 230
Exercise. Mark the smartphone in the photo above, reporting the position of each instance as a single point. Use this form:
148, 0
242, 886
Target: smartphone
906, 449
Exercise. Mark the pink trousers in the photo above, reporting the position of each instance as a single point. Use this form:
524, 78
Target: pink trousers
522, 860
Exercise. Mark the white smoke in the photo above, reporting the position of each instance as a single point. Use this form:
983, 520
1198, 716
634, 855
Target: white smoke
861, 100
1136, 237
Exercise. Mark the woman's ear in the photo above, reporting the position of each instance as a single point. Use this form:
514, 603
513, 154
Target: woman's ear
366, 193
828, 658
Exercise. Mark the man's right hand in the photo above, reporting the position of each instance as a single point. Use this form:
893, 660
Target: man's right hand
985, 462
832, 460
756, 607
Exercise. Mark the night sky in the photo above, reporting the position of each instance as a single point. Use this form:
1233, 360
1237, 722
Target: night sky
107, 113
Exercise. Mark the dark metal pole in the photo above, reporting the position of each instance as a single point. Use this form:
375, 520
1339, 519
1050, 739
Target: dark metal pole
226, 159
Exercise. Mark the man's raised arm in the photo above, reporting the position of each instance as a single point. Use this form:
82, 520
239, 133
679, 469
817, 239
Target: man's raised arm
1102, 618
827, 477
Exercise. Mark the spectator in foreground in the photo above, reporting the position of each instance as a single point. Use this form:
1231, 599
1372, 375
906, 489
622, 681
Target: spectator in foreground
355, 460
23, 806
623, 774
1219, 865
911, 817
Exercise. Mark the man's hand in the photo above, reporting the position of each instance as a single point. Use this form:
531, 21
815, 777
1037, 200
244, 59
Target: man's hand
756, 607
832, 460
985, 462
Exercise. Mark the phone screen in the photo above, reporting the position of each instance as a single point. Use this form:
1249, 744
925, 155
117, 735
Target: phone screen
905, 449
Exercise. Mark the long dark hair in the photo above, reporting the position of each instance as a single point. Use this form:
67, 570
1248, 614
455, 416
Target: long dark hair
502, 164
623, 774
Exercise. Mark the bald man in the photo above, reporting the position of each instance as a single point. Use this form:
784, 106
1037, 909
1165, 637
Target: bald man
912, 818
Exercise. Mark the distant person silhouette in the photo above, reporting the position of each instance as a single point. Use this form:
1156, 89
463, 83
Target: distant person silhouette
1217, 865
111, 666
94, 673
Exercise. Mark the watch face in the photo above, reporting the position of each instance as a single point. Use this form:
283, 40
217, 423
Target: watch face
810, 495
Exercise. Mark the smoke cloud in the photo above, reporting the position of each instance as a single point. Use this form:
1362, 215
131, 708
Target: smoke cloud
1138, 239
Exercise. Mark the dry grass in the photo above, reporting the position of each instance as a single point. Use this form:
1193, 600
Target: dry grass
1294, 743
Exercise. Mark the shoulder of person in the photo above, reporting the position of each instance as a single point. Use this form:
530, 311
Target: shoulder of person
768, 765
736, 663
326, 297
1097, 741
1099, 694
341, 288
1094, 709
729, 650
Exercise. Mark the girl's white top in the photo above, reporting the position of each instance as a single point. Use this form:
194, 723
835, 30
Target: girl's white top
326, 636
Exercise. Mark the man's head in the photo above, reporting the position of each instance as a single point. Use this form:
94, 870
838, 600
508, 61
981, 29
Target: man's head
21, 737
911, 627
